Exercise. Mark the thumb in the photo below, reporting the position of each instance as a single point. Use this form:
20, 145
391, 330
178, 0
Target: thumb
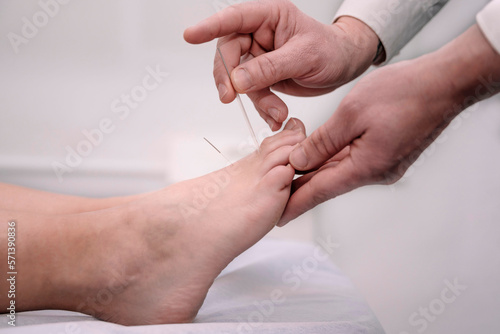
320, 187
328, 140
267, 69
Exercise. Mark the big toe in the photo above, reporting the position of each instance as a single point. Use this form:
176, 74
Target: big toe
295, 124
293, 133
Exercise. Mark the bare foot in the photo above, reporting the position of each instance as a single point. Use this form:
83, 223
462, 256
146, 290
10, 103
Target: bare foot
177, 241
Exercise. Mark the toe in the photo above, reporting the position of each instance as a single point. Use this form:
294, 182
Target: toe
293, 133
295, 124
279, 178
278, 157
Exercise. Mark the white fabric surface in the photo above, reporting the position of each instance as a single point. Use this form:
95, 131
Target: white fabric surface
489, 21
323, 301
394, 21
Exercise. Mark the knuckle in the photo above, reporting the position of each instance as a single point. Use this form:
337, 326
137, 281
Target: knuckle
234, 10
350, 106
322, 143
267, 68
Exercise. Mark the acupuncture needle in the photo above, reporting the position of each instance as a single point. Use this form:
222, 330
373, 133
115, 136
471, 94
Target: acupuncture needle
218, 150
243, 110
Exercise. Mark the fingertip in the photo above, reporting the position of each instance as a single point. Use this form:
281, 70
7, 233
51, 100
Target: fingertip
187, 34
201, 32
190, 34
277, 113
269, 105
241, 80
274, 113
228, 98
273, 125
277, 126
298, 158
222, 91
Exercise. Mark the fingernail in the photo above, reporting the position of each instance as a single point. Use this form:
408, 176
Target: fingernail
298, 157
222, 90
242, 80
274, 113
270, 123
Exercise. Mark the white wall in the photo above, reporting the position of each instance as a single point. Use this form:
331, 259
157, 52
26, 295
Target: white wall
398, 244
64, 79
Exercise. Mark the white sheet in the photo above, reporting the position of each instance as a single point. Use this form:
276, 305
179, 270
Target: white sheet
319, 299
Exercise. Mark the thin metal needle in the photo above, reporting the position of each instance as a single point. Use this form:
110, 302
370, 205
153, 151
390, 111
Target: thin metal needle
245, 115
217, 150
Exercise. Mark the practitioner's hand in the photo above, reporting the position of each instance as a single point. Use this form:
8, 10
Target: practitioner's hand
284, 49
389, 118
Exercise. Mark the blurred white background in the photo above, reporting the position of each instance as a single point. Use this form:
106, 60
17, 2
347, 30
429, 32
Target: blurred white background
399, 244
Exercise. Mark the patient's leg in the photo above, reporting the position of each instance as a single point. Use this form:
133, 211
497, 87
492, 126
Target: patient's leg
17, 198
152, 260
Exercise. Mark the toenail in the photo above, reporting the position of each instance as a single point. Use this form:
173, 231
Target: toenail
293, 125
290, 124
296, 126
274, 113
222, 91
298, 157
242, 80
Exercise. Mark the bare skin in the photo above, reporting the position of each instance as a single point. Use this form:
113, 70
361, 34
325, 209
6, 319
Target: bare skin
283, 49
151, 260
389, 118
381, 126
15, 198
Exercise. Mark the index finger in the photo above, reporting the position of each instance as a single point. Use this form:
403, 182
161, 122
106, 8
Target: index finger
243, 18
232, 47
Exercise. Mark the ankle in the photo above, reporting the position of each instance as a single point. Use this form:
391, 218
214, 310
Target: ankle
91, 268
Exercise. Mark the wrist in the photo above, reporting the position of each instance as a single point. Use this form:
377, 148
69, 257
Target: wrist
470, 69
364, 40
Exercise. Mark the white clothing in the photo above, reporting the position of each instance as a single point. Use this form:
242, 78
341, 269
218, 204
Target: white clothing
394, 21
489, 21
397, 21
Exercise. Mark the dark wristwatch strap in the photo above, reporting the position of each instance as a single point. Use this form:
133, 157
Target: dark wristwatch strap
380, 55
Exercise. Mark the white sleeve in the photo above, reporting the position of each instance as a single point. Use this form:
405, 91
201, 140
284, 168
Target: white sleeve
489, 21
394, 21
